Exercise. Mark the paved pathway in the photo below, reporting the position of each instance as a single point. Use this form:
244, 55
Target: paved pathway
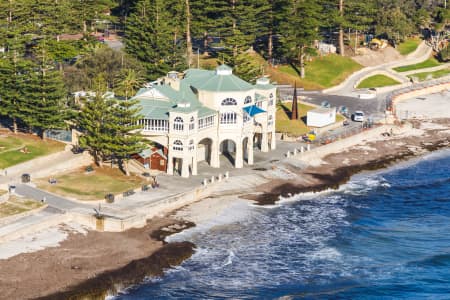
346, 88
44, 166
52, 200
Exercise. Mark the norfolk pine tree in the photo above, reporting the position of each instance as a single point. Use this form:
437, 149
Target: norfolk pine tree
45, 97
128, 139
300, 30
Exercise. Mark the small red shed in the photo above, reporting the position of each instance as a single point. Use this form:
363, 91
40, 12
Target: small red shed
153, 159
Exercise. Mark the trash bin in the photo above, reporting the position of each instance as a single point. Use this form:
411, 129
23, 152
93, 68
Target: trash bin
26, 178
109, 198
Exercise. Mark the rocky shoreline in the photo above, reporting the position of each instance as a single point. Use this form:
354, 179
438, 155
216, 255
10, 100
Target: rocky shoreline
109, 282
340, 175
144, 252
337, 168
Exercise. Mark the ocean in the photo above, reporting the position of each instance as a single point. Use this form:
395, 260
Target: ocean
383, 235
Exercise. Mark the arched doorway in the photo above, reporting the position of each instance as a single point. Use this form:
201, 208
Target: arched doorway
228, 149
257, 138
245, 148
204, 150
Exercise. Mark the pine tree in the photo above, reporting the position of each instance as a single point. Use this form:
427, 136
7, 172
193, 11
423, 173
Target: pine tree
300, 29
208, 18
45, 96
9, 90
94, 121
150, 37
128, 140
14, 24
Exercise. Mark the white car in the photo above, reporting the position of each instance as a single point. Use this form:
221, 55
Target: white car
358, 116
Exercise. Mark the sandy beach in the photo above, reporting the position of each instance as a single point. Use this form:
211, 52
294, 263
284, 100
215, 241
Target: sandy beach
91, 263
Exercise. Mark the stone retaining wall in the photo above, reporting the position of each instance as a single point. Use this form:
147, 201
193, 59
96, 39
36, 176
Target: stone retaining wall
53, 220
341, 145
13, 218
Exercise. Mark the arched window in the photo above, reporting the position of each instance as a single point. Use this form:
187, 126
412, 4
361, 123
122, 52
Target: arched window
178, 124
192, 124
229, 101
191, 145
271, 99
177, 145
248, 100
228, 118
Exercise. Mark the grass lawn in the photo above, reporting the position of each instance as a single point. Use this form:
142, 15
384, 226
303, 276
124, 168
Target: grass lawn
429, 63
294, 127
11, 145
409, 46
206, 62
17, 205
91, 186
377, 81
436, 74
323, 72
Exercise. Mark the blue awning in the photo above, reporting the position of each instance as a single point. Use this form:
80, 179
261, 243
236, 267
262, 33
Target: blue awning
253, 110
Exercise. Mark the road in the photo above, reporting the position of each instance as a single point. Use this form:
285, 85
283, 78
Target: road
52, 200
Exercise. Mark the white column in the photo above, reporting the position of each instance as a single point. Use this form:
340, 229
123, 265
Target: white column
194, 164
185, 168
169, 164
215, 159
273, 141
239, 161
250, 151
264, 142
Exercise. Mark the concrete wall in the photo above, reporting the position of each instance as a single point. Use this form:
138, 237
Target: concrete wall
417, 93
341, 145
158, 208
53, 220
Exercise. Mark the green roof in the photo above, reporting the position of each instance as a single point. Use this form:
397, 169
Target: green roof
155, 109
213, 80
185, 100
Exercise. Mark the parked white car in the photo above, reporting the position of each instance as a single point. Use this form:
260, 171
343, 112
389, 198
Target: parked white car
358, 116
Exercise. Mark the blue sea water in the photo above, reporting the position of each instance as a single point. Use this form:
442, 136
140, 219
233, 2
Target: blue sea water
384, 235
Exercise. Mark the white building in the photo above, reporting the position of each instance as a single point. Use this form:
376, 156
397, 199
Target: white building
198, 115
321, 117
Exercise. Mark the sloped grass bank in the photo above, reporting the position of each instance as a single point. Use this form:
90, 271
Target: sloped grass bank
377, 81
429, 63
16, 149
321, 73
409, 46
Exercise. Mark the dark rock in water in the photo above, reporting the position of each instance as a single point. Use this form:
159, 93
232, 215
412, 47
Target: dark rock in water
163, 232
339, 176
168, 256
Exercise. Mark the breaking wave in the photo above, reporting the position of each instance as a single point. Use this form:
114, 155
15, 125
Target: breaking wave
381, 235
